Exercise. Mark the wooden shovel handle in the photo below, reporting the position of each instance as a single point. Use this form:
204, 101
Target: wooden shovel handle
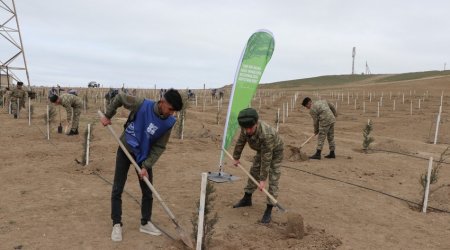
307, 140
274, 201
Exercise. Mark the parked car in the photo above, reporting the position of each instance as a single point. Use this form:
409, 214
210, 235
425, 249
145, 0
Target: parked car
93, 85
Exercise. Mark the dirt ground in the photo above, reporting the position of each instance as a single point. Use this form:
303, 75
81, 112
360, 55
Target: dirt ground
356, 201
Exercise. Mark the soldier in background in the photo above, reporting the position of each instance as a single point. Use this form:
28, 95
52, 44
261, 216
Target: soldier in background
70, 102
324, 116
18, 95
7, 95
267, 162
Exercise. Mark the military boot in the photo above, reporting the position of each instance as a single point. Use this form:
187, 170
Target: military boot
317, 155
245, 201
73, 132
267, 217
15, 116
331, 155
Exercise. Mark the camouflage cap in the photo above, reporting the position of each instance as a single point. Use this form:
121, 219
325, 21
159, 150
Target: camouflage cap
248, 117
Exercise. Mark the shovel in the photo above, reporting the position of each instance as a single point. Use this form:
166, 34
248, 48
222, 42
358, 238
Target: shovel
274, 201
307, 140
60, 128
183, 235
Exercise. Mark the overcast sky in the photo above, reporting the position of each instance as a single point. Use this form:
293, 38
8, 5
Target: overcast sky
190, 43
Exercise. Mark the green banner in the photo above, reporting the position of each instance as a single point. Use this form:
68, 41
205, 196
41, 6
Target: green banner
256, 55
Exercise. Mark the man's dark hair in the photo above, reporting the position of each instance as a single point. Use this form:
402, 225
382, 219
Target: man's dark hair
19, 83
53, 98
306, 101
173, 97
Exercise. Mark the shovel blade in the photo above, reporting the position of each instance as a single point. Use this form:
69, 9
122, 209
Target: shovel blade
185, 237
282, 209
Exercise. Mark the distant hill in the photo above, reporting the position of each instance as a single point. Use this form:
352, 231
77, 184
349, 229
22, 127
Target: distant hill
344, 79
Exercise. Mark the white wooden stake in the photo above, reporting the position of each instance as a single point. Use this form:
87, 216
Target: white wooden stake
201, 211
437, 125
48, 123
427, 187
29, 111
283, 113
88, 140
355, 104
419, 103
364, 107
410, 109
287, 109
442, 97
182, 128
393, 106
378, 109
278, 118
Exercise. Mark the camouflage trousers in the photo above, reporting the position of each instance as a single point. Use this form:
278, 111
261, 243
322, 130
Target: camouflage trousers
274, 174
76, 118
328, 133
14, 105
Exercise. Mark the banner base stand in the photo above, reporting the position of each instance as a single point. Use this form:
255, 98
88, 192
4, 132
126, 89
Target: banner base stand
221, 177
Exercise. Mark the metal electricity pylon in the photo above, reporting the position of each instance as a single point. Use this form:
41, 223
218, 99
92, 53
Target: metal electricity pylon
12, 56
353, 60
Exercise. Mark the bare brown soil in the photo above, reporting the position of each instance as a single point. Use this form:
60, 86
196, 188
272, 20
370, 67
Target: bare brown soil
356, 201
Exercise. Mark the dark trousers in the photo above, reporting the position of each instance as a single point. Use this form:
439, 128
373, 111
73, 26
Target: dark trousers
120, 177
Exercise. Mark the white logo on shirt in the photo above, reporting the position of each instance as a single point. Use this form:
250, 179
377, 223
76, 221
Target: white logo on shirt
151, 129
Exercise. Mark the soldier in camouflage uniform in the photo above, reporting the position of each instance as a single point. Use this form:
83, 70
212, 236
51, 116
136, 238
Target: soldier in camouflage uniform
18, 94
324, 116
267, 162
70, 102
147, 132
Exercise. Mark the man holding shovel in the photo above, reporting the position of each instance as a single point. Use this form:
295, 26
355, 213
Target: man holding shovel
324, 116
145, 136
71, 103
267, 162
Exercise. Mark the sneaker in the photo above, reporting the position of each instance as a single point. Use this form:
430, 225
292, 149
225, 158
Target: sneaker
116, 234
149, 228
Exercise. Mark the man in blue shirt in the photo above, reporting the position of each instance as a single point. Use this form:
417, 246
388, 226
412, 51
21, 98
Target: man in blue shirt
145, 136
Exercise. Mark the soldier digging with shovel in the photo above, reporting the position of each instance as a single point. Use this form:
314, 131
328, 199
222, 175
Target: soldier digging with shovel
267, 162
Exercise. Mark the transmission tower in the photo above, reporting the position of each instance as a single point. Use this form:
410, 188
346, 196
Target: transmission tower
368, 69
353, 61
12, 55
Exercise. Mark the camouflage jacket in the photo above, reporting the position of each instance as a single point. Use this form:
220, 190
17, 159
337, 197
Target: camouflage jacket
69, 101
265, 142
18, 94
133, 104
323, 114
